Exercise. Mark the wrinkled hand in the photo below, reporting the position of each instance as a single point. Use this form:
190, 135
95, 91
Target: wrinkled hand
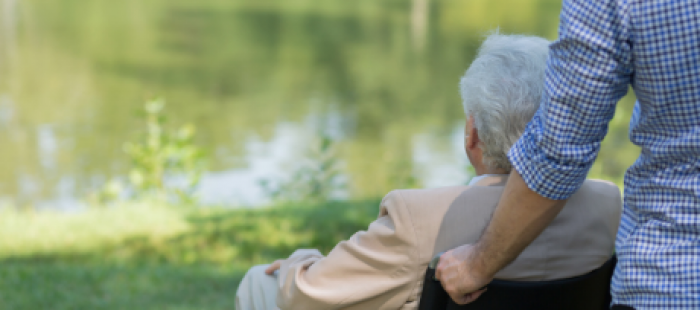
274, 267
458, 277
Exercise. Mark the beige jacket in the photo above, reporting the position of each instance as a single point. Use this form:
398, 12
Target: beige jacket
383, 267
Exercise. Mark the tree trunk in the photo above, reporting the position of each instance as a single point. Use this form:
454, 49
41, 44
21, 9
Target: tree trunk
8, 30
419, 23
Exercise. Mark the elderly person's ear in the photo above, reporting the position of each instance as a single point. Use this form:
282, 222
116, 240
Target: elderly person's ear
473, 139
471, 134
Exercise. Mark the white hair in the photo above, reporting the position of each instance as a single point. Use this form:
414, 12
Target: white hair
502, 90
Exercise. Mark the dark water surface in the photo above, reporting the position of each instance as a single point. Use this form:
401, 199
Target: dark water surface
260, 79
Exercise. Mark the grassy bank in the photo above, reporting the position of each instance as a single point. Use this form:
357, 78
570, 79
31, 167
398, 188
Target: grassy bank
55, 285
137, 257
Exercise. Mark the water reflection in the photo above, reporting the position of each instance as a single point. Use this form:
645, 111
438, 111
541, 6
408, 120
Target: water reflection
258, 79
265, 160
7, 111
440, 160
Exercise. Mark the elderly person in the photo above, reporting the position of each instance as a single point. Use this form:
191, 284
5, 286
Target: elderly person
383, 267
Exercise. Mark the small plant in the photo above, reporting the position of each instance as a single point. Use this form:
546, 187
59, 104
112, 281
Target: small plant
317, 178
166, 166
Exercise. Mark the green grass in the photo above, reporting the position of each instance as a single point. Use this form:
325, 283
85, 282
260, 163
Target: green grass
136, 257
32, 285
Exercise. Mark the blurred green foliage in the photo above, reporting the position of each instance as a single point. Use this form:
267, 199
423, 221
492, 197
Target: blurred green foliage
317, 177
237, 69
133, 234
163, 158
131, 257
166, 166
248, 65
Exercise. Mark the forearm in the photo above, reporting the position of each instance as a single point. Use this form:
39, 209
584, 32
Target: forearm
519, 218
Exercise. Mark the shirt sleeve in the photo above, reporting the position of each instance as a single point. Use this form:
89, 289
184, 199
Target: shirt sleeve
588, 71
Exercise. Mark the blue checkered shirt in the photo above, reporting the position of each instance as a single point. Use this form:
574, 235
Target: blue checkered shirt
603, 47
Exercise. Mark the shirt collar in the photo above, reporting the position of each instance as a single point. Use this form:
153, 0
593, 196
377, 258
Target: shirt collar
478, 178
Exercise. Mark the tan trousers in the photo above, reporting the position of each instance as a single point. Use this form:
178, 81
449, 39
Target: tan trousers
257, 290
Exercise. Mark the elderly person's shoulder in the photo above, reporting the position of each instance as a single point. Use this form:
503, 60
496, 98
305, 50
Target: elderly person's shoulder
480, 199
424, 195
430, 209
448, 192
603, 188
596, 199
418, 207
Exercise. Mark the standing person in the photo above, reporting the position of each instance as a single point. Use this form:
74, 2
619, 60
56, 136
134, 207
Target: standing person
603, 47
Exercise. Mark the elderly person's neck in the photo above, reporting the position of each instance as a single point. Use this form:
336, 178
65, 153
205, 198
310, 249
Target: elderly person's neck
483, 169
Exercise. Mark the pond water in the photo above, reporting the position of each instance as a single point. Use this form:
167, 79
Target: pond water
260, 79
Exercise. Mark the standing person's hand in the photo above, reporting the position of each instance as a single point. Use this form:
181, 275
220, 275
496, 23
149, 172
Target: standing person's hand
455, 271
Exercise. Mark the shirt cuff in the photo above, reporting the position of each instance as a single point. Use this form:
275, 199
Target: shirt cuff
542, 173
